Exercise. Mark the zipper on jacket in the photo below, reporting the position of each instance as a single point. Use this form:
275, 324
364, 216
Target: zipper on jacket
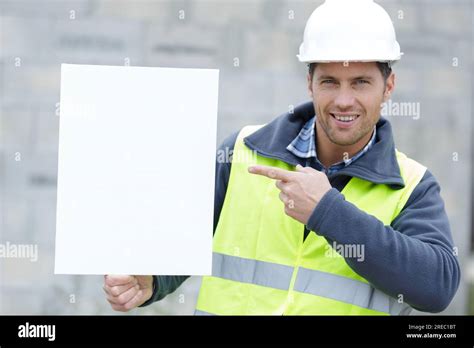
290, 296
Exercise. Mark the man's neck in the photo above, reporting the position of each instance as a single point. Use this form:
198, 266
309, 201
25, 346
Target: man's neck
329, 153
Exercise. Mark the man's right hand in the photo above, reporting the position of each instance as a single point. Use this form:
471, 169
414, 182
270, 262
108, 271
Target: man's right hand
125, 292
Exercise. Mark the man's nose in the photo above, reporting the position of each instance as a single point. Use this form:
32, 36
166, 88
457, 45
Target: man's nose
345, 99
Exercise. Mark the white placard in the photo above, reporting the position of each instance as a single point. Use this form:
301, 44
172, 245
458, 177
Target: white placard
136, 170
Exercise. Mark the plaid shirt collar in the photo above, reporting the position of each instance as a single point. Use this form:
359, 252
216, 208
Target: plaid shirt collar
304, 146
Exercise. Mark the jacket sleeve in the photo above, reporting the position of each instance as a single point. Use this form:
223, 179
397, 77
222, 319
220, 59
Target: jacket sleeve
165, 285
413, 257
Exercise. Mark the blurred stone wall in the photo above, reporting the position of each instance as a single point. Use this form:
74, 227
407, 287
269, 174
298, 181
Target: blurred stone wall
254, 44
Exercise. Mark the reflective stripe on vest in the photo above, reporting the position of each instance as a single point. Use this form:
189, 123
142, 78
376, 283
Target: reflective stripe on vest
250, 271
261, 264
308, 281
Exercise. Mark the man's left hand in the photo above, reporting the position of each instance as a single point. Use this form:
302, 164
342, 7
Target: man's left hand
300, 191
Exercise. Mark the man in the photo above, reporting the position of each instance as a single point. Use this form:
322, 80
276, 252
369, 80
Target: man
327, 217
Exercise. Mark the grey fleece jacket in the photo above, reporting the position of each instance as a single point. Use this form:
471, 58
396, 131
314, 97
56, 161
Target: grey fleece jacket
412, 257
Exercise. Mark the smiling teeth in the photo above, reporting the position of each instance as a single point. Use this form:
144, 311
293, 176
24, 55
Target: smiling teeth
345, 118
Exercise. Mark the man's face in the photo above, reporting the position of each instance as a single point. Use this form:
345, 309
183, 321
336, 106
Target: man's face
347, 99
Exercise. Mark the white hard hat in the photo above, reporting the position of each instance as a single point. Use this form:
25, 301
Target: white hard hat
349, 30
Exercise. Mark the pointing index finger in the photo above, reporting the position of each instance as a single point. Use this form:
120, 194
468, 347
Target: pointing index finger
272, 172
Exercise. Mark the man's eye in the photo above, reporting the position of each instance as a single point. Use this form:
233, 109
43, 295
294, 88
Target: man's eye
362, 82
327, 81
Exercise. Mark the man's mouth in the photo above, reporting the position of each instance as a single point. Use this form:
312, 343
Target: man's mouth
345, 117
345, 120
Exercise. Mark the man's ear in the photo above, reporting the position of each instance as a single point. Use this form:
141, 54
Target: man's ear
310, 85
389, 87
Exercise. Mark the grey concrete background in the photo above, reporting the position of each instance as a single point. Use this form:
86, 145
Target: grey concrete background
263, 36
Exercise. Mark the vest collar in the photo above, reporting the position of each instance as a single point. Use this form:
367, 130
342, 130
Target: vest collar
379, 165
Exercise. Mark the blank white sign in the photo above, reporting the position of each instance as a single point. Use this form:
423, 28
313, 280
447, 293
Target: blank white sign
136, 170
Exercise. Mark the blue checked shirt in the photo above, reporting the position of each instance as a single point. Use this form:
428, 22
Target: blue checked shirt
304, 146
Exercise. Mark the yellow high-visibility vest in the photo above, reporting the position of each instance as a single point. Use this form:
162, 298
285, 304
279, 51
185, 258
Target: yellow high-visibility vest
262, 266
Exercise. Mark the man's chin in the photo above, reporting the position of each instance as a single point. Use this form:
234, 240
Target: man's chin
343, 139
344, 143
